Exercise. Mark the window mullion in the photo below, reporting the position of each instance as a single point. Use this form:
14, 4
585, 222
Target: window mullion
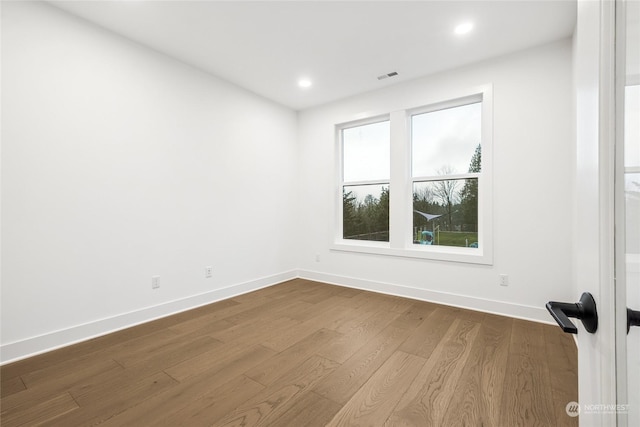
369, 182
399, 189
444, 177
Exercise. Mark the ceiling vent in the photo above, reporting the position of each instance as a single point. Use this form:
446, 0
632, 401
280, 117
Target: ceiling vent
386, 76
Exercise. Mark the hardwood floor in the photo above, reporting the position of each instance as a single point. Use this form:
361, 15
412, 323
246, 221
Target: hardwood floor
304, 354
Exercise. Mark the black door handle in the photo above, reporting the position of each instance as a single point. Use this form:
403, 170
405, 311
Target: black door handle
633, 318
585, 310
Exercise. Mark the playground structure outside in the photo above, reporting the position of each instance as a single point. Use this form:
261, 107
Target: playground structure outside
423, 236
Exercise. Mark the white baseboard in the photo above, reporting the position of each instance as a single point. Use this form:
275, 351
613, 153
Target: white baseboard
14, 351
518, 311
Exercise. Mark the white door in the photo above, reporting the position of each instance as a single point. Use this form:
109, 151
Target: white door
607, 360
594, 207
628, 209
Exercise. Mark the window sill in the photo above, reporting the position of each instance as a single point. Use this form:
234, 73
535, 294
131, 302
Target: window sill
436, 253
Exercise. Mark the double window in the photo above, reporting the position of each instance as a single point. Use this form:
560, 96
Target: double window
418, 182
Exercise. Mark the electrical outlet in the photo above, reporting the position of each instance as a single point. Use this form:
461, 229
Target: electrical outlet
504, 280
317, 257
155, 282
208, 272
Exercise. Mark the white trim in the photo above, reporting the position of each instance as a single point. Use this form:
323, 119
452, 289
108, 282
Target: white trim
400, 212
29, 347
378, 118
401, 184
22, 349
630, 169
606, 334
594, 183
370, 182
451, 177
474, 98
502, 308
439, 253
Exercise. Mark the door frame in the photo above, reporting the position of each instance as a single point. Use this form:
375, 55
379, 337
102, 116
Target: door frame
620, 219
594, 263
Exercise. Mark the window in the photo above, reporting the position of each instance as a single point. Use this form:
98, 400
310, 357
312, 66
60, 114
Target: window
365, 182
446, 160
417, 183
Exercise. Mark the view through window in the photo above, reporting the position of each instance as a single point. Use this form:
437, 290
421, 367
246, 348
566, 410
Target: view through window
365, 188
446, 166
417, 182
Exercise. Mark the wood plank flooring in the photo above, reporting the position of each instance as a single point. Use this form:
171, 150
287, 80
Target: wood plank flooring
303, 353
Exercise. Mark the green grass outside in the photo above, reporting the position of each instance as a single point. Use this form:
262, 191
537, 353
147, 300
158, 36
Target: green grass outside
456, 238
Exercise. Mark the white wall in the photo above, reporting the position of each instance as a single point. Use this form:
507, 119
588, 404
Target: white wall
120, 163
533, 177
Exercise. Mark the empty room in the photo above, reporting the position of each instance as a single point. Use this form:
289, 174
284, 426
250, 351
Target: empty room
320, 213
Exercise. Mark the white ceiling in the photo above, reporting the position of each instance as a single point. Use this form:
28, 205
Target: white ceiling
266, 46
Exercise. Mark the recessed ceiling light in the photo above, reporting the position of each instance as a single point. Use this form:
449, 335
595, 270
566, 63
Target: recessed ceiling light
463, 28
304, 83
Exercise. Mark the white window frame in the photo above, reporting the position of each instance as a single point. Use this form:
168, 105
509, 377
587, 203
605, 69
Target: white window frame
343, 183
401, 185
